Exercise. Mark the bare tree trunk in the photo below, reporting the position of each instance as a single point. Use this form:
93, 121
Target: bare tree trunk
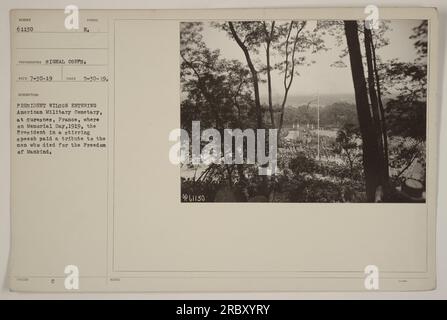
289, 74
383, 174
269, 36
254, 75
369, 143
382, 112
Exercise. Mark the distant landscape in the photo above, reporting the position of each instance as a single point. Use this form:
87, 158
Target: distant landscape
296, 100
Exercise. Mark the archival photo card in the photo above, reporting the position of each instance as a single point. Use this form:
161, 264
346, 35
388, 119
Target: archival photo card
223, 150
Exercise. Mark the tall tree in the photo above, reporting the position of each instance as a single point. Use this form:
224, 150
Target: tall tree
283, 41
378, 116
269, 37
289, 64
384, 126
254, 73
406, 83
213, 87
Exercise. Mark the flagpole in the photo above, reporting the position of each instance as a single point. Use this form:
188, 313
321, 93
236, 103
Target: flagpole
318, 123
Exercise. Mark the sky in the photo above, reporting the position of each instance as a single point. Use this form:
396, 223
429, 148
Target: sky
320, 77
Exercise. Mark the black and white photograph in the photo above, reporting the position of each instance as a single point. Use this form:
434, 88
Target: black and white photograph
304, 111
217, 154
